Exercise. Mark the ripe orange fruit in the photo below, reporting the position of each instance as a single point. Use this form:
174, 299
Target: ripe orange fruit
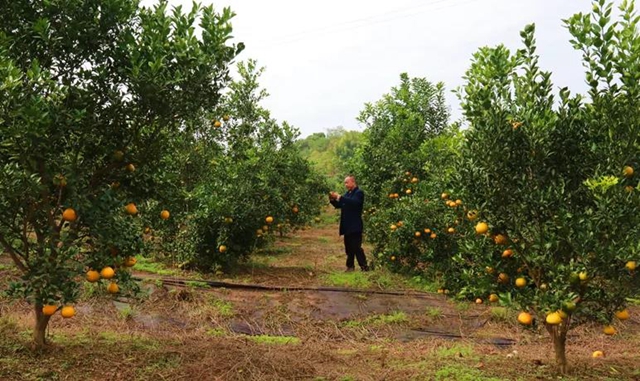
458, 202
451, 230
631, 265
623, 315
408, 191
500, 239
393, 227
472, 215
107, 273
130, 261
433, 236
69, 215
225, 118
131, 167
489, 270
417, 234
147, 230
563, 315
478, 301
269, 219
493, 298
265, 228
503, 278
597, 354
68, 312
609, 330
400, 223
131, 209
482, 228
444, 196
393, 257
507, 253
217, 124
115, 185
525, 318
49, 309
295, 209
113, 288
521, 282
554, 318
583, 276
627, 171
427, 231
165, 214
222, 248
629, 188
440, 291
93, 276
414, 180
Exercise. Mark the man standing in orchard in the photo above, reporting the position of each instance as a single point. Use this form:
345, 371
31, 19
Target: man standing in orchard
351, 226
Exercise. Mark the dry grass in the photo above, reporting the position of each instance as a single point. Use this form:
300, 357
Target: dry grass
194, 333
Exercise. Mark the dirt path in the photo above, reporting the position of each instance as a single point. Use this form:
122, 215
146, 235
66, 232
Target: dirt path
200, 333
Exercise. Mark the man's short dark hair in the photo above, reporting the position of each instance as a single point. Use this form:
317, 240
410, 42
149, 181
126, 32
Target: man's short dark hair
351, 176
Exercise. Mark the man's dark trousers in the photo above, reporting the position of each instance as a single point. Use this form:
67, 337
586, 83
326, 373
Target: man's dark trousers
353, 248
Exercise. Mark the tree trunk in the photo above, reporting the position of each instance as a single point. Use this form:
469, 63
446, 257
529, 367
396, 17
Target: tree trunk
559, 337
42, 320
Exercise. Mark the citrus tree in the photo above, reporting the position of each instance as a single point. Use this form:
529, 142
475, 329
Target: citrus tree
249, 181
554, 179
92, 97
395, 128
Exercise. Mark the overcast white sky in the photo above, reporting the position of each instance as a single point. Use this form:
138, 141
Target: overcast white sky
325, 59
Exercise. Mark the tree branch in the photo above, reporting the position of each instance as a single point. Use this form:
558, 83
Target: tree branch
12, 252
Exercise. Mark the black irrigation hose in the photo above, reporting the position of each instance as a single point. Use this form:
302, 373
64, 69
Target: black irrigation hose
257, 287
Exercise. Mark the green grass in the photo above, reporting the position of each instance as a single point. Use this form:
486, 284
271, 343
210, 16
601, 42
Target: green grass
377, 320
460, 372
222, 307
275, 340
457, 350
324, 240
500, 314
354, 279
196, 284
149, 266
434, 312
217, 332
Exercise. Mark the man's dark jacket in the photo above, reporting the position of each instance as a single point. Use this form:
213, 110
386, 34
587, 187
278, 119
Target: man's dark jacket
351, 215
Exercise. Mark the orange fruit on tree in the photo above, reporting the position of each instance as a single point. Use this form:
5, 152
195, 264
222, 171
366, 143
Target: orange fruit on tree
472, 215
609, 330
393, 227
482, 228
458, 202
118, 155
217, 124
521, 282
400, 223
478, 301
503, 278
563, 315
222, 249
507, 253
225, 118
623, 314
433, 235
107, 272
553, 318
130, 261
627, 171
295, 209
131, 209
165, 214
414, 180
525, 318
113, 288
147, 230
393, 257
408, 191
69, 215
489, 270
451, 230
417, 234
427, 231
500, 239
68, 312
49, 309
631, 265
493, 298
93, 276
131, 167
444, 196
269, 219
